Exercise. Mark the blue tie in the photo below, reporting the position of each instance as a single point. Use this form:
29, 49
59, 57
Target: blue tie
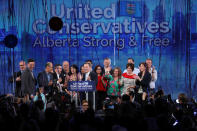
48, 77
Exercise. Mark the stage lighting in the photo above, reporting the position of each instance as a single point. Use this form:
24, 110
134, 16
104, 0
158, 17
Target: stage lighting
10, 41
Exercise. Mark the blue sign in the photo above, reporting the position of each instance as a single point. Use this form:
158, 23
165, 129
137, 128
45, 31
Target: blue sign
165, 31
82, 86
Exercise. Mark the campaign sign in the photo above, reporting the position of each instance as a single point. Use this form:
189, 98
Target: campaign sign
81, 86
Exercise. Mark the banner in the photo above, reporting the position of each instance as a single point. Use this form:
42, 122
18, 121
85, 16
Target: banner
82, 86
164, 31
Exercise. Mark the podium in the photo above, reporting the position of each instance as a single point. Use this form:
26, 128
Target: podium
83, 86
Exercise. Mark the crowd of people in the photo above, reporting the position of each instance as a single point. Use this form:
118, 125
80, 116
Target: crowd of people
124, 101
110, 82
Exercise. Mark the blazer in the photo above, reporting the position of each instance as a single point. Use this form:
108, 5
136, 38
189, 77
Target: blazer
28, 82
18, 83
93, 77
43, 80
145, 82
55, 79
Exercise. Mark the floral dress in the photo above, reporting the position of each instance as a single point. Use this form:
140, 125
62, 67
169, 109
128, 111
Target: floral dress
113, 89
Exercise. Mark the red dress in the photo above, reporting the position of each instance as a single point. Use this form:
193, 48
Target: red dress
100, 86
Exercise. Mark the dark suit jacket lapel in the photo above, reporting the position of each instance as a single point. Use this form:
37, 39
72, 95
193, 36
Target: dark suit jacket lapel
45, 77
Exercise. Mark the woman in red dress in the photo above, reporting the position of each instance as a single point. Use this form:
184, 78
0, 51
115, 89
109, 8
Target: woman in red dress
100, 87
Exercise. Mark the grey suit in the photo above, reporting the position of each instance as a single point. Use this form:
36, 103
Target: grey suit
28, 82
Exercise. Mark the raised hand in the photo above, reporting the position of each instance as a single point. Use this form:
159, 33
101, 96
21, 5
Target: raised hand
18, 78
89, 79
60, 80
50, 83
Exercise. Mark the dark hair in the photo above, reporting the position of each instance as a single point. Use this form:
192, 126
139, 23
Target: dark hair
30, 60
107, 58
75, 67
102, 70
57, 65
145, 65
130, 65
81, 67
119, 72
87, 64
47, 64
89, 61
131, 59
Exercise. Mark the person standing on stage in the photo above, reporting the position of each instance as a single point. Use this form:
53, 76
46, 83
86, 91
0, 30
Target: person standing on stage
28, 80
82, 72
91, 64
107, 66
153, 73
45, 78
135, 70
57, 75
114, 89
89, 76
17, 78
65, 73
100, 88
128, 80
143, 80
74, 76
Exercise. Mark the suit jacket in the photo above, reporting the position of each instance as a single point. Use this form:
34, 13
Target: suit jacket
18, 83
28, 82
93, 77
111, 71
63, 74
145, 82
43, 81
55, 78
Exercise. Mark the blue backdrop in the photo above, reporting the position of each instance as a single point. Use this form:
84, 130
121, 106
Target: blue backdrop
163, 30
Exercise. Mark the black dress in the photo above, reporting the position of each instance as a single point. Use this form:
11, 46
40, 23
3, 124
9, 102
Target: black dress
145, 82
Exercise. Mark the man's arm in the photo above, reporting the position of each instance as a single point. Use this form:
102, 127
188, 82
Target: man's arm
154, 75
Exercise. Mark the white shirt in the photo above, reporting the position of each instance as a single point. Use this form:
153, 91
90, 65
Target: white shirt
86, 76
153, 80
135, 71
58, 76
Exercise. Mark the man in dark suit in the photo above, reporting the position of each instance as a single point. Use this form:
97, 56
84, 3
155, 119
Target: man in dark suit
107, 66
17, 78
28, 80
45, 78
65, 73
89, 76
57, 75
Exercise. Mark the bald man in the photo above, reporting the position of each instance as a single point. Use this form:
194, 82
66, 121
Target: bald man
65, 71
45, 78
17, 78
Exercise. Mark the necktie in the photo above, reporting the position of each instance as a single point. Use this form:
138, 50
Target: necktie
48, 77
